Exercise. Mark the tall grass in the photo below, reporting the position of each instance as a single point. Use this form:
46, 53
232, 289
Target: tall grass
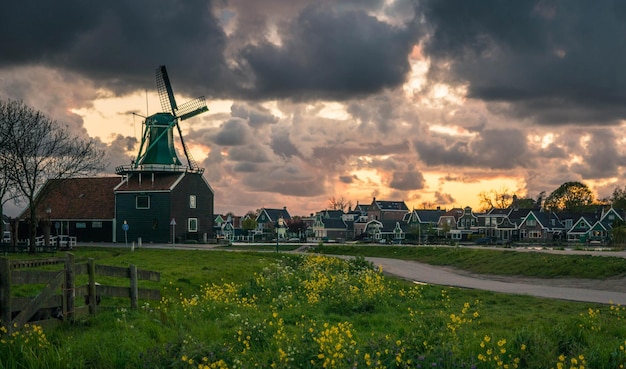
244, 310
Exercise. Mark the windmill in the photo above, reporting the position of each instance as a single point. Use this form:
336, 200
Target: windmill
157, 151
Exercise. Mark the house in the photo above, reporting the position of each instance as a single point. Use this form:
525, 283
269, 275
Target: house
448, 223
164, 207
595, 227
83, 208
422, 223
386, 210
579, 232
330, 225
272, 221
386, 231
541, 226
229, 227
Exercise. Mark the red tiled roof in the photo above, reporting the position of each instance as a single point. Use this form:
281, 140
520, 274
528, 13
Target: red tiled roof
77, 198
160, 182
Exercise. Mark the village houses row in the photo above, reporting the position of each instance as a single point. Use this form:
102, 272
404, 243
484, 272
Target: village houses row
393, 222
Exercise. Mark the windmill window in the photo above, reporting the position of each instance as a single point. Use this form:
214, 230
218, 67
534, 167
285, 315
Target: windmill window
192, 225
192, 201
142, 202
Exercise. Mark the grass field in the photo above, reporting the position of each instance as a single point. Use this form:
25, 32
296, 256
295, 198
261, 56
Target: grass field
275, 310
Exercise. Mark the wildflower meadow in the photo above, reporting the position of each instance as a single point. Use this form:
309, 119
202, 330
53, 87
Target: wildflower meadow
312, 311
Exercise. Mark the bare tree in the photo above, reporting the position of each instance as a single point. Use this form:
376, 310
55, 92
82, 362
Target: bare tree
500, 199
339, 203
36, 149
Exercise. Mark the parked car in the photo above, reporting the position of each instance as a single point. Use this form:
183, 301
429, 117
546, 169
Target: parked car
483, 241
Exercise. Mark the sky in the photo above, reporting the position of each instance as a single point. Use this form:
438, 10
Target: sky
427, 102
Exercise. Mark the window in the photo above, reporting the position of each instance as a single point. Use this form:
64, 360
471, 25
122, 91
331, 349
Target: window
81, 225
142, 202
531, 222
534, 234
192, 201
192, 225
96, 224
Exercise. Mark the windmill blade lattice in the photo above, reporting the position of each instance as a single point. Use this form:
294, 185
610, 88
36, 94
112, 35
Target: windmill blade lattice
192, 108
166, 95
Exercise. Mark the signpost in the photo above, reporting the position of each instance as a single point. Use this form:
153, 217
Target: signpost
173, 224
125, 229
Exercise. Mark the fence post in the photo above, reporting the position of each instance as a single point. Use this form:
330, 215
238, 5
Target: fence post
92, 294
5, 292
69, 293
133, 287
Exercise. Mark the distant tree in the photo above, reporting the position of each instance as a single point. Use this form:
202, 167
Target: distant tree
528, 202
618, 233
36, 149
570, 196
296, 226
495, 199
618, 198
339, 203
249, 224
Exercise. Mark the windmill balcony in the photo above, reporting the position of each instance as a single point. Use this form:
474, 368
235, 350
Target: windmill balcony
156, 168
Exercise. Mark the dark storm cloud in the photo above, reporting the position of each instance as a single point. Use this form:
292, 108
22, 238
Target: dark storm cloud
233, 133
246, 167
255, 114
331, 54
253, 153
118, 44
541, 57
407, 181
601, 157
292, 179
348, 179
444, 198
327, 50
494, 149
282, 146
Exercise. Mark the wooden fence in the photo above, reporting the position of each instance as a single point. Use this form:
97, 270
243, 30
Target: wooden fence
16, 311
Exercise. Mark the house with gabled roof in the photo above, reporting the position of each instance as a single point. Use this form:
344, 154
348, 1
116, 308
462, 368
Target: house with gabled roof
386, 210
164, 207
330, 225
83, 208
589, 228
423, 222
501, 224
580, 230
387, 231
272, 221
541, 226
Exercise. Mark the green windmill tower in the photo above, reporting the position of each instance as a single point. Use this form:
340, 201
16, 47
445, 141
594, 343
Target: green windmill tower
157, 152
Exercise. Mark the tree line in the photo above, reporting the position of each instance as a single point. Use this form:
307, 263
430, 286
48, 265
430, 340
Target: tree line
572, 196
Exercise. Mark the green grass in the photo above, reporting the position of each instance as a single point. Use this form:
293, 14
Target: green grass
498, 262
257, 309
